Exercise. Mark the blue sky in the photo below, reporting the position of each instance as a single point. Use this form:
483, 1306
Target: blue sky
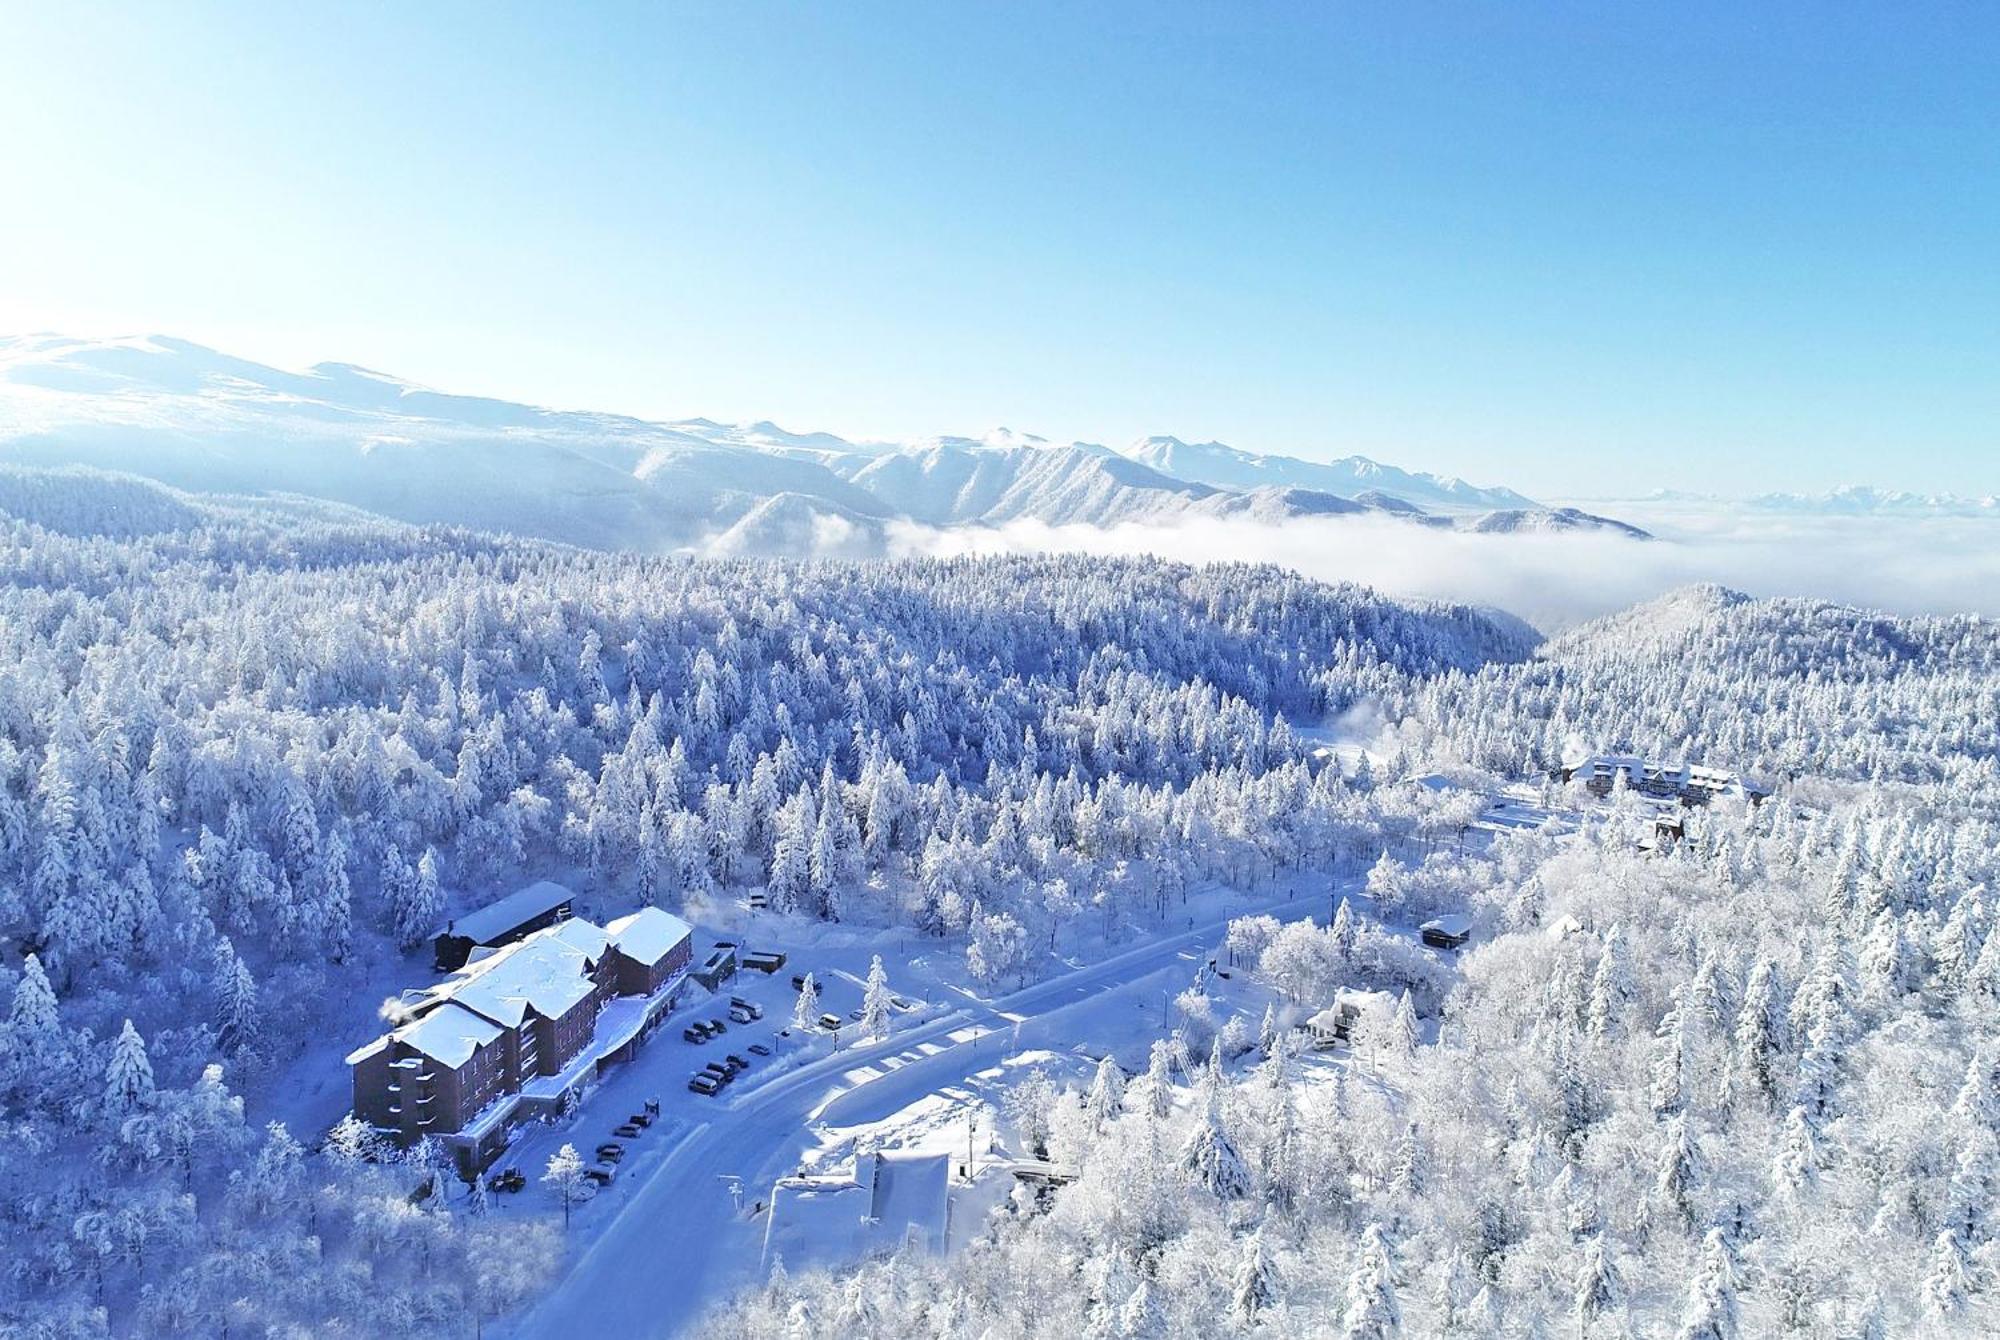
1572, 248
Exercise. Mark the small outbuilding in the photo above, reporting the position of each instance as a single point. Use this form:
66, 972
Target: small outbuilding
894, 1200
717, 968
1447, 932
1335, 1024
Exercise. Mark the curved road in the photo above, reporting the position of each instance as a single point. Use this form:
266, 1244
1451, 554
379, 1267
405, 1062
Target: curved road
676, 1244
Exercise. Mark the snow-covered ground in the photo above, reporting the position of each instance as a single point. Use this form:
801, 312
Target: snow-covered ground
669, 1237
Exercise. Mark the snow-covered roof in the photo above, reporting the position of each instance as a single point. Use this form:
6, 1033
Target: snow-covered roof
497, 919
360, 1054
1454, 923
913, 1191
549, 972
542, 971
1680, 775
585, 937
891, 1198
1327, 1020
448, 1035
648, 935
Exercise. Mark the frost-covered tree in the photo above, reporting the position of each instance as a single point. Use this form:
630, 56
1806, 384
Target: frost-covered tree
1254, 1287
1711, 1309
564, 1175
1372, 1311
875, 1002
1598, 1292
1107, 1093
805, 1012
1212, 1159
128, 1080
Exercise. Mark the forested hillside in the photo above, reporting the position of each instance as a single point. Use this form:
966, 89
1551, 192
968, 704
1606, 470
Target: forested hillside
248, 754
1744, 1088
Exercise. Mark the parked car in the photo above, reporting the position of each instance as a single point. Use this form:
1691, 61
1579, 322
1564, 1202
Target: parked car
737, 1061
611, 1150
695, 1034
830, 1022
759, 1049
508, 1179
716, 1026
855, 1015
704, 1083
902, 1002
642, 1119
798, 981
603, 1174
719, 1070
741, 1016
652, 1107
627, 1132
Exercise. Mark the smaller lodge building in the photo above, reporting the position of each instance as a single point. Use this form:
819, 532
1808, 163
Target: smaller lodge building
1446, 932
519, 914
1335, 1024
519, 1031
1688, 783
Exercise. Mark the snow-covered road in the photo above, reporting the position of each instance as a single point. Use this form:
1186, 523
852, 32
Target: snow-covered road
676, 1243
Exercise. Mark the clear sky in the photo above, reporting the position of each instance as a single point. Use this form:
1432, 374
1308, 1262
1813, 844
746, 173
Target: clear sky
1571, 248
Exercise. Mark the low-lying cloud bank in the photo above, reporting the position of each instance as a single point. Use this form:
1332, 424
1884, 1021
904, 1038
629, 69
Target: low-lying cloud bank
1929, 565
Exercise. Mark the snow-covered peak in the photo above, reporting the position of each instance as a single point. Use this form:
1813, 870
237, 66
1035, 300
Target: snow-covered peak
1862, 500
200, 420
1224, 466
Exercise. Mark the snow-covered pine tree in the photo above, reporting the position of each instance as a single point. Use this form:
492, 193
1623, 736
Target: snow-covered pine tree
875, 1001
128, 1080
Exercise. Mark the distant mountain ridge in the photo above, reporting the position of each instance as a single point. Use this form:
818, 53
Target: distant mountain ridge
1227, 467
1847, 500
1860, 500
206, 422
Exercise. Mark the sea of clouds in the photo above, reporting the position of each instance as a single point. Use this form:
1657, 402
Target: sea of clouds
1899, 564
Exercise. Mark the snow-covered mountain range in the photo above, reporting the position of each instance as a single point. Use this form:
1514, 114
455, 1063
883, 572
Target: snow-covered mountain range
1854, 500
200, 420
1227, 467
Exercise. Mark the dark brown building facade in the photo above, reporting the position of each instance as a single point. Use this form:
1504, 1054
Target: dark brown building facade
512, 1025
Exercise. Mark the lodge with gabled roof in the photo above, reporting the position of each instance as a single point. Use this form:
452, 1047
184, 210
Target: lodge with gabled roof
1688, 783
519, 1029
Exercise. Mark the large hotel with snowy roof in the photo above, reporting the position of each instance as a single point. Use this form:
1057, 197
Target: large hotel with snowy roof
519, 1029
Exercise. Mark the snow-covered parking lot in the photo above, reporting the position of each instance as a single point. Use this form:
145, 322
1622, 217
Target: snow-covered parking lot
670, 1236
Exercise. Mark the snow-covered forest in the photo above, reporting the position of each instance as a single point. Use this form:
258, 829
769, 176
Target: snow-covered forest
1747, 1088
249, 756
252, 755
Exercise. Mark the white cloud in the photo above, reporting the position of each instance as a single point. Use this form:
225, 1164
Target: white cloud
1923, 565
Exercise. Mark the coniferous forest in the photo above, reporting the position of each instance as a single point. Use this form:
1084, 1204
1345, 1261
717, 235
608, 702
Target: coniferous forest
1744, 1084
